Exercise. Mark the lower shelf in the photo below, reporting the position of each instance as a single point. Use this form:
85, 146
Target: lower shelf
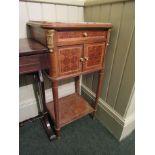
71, 108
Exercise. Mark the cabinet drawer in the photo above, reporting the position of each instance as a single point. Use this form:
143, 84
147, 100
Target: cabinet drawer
33, 63
65, 35
69, 59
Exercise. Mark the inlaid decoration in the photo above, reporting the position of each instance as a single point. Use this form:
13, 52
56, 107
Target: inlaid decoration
95, 55
69, 59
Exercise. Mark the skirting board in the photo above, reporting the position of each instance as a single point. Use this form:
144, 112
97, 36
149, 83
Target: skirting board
120, 127
29, 108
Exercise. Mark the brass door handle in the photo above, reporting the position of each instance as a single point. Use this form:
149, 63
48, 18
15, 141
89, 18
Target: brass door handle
81, 59
85, 34
86, 58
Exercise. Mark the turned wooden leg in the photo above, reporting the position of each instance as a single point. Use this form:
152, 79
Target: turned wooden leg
98, 91
77, 84
56, 107
45, 119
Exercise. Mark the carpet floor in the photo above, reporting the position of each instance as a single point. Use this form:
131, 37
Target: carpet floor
82, 137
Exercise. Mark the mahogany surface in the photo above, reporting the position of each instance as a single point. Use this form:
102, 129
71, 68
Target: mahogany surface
30, 47
74, 49
71, 108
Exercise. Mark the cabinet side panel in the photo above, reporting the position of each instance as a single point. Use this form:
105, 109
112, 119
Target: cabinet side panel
37, 34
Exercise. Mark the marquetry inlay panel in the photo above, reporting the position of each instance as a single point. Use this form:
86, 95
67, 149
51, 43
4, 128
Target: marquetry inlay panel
69, 60
94, 53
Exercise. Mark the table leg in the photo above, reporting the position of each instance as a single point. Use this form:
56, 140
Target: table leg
77, 84
98, 91
56, 107
45, 118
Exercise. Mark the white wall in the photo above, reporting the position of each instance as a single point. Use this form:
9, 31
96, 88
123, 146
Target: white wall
46, 11
42, 11
129, 117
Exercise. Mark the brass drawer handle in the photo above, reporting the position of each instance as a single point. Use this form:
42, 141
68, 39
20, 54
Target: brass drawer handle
81, 59
85, 34
86, 58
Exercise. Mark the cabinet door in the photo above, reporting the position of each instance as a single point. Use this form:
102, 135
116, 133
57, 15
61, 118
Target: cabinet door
69, 59
93, 55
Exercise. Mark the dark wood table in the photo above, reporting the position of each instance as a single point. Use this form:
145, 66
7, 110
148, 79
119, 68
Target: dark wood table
33, 59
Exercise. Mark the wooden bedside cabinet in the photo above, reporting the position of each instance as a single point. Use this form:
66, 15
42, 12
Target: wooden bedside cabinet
74, 49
